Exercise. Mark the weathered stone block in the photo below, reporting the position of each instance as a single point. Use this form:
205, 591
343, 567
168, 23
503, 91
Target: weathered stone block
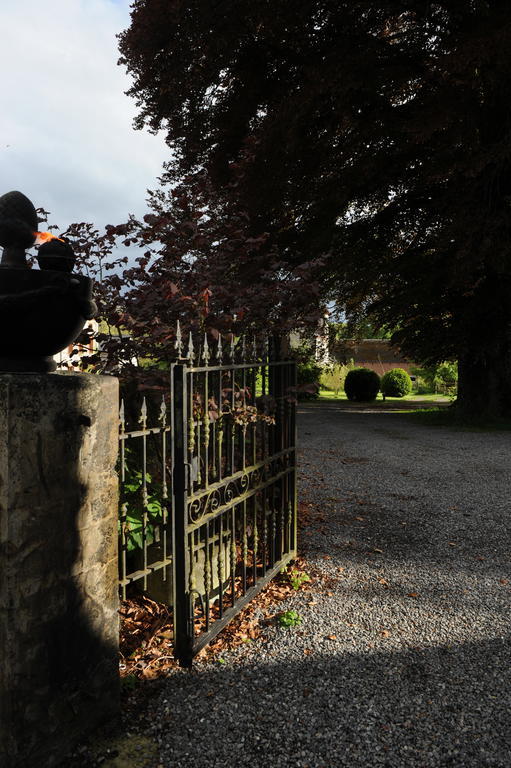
58, 563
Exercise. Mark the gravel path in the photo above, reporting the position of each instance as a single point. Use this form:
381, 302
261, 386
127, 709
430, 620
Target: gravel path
403, 656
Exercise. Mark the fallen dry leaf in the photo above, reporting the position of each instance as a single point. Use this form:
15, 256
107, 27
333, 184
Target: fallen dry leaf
150, 673
332, 637
412, 594
504, 581
385, 633
379, 551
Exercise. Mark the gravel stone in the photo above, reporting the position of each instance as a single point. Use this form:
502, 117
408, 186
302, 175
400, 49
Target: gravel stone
403, 656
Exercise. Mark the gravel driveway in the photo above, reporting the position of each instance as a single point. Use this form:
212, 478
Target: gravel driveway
403, 656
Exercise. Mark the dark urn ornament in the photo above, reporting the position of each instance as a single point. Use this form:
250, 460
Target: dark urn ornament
41, 310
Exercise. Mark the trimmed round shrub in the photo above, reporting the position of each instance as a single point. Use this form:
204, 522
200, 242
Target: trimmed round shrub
362, 384
396, 383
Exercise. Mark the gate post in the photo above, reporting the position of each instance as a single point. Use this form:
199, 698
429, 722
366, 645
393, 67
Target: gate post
59, 626
183, 612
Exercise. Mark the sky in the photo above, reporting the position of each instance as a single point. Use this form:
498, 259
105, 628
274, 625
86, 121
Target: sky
66, 136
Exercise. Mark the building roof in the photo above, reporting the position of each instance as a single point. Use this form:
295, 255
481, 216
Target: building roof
377, 354
374, 351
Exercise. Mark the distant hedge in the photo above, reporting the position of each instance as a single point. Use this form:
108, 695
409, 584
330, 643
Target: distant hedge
308, 375
396, 383
362, 384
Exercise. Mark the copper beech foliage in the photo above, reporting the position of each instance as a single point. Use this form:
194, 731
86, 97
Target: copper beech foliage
366, 142
192, 258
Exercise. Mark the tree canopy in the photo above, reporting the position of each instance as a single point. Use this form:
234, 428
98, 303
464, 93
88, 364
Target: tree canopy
365, 143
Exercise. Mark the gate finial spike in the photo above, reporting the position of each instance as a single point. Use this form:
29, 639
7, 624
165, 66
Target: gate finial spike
205, 350
178, 344
163, 411
231, 347
143, 414
219, 349
191, 351
122, 420
243, 349
254, 348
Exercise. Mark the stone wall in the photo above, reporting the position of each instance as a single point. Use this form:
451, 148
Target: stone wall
58, 563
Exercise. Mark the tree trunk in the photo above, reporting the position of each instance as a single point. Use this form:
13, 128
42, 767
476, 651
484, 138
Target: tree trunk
484, 381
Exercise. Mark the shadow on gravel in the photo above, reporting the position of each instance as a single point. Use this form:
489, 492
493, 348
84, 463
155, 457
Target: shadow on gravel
427, 708
387, 534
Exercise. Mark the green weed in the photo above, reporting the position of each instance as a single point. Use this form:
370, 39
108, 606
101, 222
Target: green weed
297, 578
289, 619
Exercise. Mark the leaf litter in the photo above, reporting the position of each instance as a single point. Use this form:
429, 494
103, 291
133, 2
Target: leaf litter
146, 635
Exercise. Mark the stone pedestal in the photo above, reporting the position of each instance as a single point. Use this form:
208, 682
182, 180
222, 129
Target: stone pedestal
58, 563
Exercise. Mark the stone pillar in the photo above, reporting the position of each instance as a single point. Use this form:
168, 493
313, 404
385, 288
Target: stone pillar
58, 563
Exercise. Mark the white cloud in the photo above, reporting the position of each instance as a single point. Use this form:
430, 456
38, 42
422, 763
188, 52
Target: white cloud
66, 136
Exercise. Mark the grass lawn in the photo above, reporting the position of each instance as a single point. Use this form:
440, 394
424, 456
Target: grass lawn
438, 415
329, 395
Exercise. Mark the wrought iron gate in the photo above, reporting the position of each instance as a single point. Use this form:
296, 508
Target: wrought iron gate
217, 509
